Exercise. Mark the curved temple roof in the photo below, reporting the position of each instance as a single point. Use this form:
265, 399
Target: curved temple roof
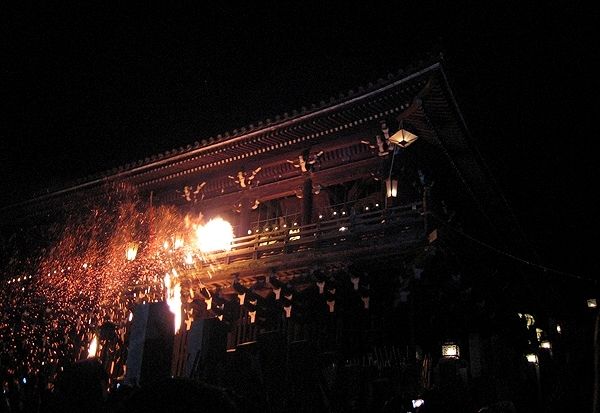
422, 98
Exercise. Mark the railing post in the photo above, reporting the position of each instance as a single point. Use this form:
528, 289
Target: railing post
307, 201
255, 244
244, 219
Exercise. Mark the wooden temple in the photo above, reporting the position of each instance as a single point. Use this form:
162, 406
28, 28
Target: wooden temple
338, 283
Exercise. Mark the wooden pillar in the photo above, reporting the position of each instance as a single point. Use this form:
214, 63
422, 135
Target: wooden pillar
307, 201
150, 350
244, 219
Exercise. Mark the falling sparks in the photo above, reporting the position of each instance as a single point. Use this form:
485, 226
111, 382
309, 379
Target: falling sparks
88, 278
178, 242
189, 258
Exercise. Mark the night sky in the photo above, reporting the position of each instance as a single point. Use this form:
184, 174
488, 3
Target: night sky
88, 88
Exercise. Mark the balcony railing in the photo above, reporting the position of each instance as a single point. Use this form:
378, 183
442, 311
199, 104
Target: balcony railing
371, 229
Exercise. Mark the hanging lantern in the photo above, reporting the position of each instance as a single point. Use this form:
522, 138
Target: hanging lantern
403, 138
131, 252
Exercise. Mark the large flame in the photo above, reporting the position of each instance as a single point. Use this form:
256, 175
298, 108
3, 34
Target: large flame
173, 298
93, 347
215, 236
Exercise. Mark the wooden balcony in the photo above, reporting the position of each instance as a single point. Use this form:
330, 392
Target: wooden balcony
381, 232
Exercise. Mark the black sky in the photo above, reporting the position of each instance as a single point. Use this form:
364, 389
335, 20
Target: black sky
88, 88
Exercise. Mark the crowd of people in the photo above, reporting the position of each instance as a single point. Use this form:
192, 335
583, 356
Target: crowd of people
83, 387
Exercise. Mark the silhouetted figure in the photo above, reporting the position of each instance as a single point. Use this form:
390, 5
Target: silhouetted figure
81, 388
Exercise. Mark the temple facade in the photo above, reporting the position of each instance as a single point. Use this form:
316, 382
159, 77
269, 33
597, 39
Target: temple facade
354, 278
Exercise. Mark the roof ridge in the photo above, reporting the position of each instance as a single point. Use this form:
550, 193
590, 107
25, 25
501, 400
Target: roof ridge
270, 122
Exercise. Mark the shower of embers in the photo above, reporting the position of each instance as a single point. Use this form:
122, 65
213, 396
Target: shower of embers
70, 294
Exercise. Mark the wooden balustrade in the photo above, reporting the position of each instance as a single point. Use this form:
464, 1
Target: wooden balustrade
398, 224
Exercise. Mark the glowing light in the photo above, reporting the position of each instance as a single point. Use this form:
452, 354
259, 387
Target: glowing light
294, 231
131, 252
546, 344
558, 329
93, 348
418, 403
86, 283
532, 358
529, 319
451, 350
391, 186
216, 235
188, 259
592, 303
403, 138
538, 333
173, 298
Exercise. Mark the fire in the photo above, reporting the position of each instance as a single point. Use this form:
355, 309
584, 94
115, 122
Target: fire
98, 266
93, 347
215, 236
173, 298
131, 252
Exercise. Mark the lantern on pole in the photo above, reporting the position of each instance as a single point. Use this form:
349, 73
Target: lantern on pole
391, 186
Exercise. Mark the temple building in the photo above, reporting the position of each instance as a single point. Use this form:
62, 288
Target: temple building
336, 255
